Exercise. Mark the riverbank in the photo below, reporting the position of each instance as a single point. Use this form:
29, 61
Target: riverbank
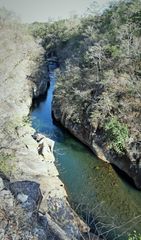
24, 76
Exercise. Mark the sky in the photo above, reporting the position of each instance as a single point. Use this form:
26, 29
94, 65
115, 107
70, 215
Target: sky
43, 10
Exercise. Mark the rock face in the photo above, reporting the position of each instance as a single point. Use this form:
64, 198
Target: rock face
33, 188
39, 78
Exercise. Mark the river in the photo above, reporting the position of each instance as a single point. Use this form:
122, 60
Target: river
92, 185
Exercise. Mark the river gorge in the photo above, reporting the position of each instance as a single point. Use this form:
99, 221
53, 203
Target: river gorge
70, 134
95, 189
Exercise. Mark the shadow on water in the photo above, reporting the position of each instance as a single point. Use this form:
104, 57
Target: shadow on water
36, 102
121, 174
94, 187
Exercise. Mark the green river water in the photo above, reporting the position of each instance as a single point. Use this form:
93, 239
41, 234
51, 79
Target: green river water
92, 185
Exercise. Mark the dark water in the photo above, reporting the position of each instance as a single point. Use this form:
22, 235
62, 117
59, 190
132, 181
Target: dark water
91, 184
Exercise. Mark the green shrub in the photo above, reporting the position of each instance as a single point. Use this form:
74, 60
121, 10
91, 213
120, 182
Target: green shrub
134, 236
5, 165
117, 134
113, 51
26, 120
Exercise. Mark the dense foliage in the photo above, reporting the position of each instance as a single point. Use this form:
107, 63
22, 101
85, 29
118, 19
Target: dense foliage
117, 134
55, 34
134, 236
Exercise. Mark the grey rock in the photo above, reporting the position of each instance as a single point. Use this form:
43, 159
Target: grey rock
27, 193
1, 184
21, 220
22, 197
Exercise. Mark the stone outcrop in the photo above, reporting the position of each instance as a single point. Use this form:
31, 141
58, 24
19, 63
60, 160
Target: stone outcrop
19, 216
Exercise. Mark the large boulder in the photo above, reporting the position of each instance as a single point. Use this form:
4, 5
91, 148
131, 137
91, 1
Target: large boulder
19, 216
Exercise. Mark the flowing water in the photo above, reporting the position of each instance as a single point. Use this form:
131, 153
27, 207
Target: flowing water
90, 183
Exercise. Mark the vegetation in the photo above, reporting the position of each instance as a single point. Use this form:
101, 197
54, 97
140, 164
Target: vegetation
100, 40
134, 236
54, 34
26, 120
7, 163
117, 134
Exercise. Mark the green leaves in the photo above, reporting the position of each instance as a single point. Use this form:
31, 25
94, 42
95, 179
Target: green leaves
112, 51
117, 134
54, 34
134, 236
